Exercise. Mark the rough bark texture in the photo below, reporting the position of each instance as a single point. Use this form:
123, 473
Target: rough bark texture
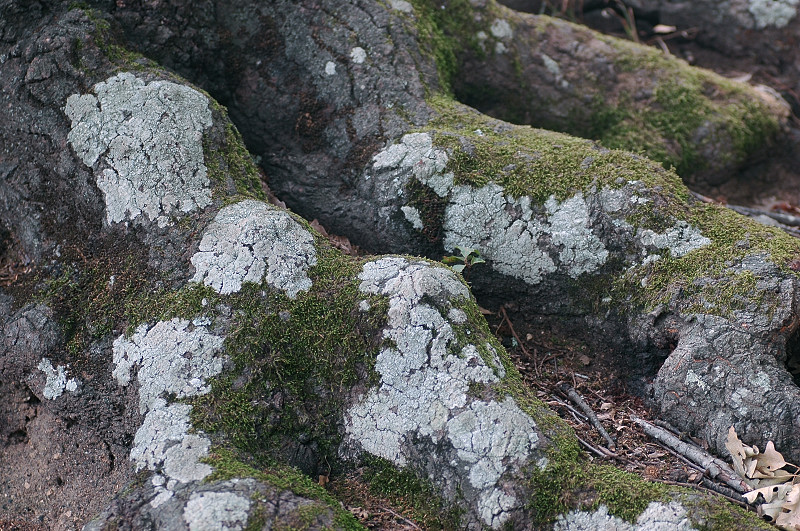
184, 337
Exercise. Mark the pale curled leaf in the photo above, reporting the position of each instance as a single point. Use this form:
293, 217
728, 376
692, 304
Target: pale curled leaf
773, 493
768, 463
741, 455
789, 518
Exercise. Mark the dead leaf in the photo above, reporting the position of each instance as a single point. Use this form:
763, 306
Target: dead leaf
769, 462
484, 311
359, 512
741, 454
769, 494
323, 480
317, 226
790, 515
586, 360
605, 406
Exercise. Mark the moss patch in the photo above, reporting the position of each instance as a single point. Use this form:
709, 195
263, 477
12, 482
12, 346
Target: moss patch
535, 162
228, 465
95, 296
295, 360
691, 112
230, 166
705, 280
404, 488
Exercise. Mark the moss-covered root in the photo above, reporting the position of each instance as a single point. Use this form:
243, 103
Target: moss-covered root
570, 228
236, 496
560, 76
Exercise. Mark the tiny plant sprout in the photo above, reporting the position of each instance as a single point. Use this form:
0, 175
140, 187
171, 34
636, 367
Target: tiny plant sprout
464, 260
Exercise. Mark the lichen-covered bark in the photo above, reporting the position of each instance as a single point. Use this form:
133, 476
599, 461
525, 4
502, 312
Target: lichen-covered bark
200, 342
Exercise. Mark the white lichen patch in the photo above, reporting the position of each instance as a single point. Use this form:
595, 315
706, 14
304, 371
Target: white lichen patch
173, 357
482, 219
160, 442
579, 249
412, 215
551, 65
775, 13
478, 219
402, 6
144, 143
358, 55
680, 239
415, 153
501, 29
330, 68
693, 379
251, 241
216, 511
420, 367
657, 516
56, 380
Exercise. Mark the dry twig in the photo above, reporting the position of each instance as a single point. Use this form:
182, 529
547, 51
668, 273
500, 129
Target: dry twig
519, 340
576, 398
714, 468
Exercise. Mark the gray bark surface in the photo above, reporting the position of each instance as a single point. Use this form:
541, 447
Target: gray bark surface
178, 337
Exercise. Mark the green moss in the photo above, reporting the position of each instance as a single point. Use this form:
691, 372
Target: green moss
711, 513
706, 280
534, 162
228, 465
404, 487
295, 360
119, 56
94, 297
434, 44
691, 110
229, 163
431, 209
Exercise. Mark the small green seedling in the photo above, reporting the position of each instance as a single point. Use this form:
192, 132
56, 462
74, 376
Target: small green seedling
464, 261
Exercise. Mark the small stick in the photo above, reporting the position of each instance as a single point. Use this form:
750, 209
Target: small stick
679, 456
575, 397
592, 448
401, 517
725, 491
569, 407
703, 488
519, 340
715, 468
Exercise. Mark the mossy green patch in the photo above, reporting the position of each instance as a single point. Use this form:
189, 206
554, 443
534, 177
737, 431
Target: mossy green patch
434, 44
430, 207
93, 297
691, 111
711, 513
404, 487
228, 162
707, 280
535, 162
121, 57
227, 465
295, 360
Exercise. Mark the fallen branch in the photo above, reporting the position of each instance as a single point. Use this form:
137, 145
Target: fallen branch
576, 398
714, 468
